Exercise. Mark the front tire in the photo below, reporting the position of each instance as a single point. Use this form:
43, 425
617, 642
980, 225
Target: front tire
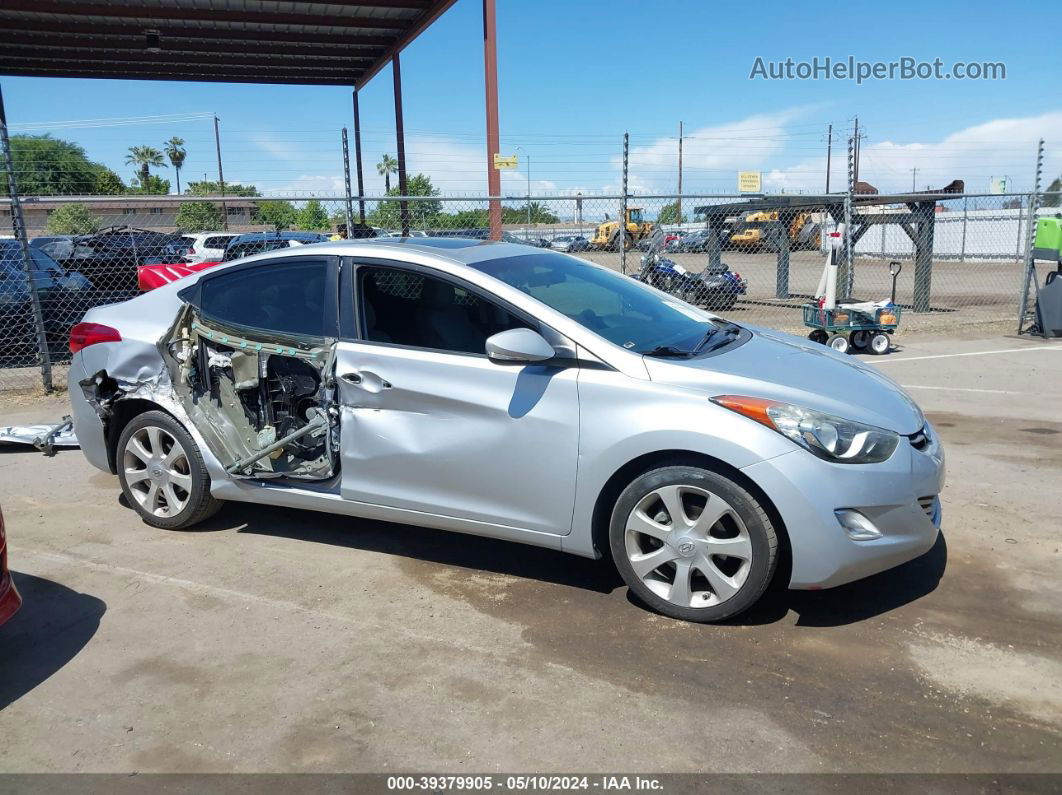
692, 544
162, 473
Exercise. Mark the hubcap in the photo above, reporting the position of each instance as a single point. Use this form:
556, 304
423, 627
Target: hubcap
688, 546
157, 471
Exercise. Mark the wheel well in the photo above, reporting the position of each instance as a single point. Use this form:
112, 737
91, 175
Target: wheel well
632, 469
122, 413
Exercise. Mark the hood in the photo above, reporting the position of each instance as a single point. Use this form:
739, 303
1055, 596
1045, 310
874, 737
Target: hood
793, 370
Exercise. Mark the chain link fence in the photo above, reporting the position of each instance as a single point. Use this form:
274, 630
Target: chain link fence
962, 256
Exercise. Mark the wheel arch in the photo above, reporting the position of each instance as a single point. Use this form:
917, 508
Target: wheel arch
122, 413
623, 476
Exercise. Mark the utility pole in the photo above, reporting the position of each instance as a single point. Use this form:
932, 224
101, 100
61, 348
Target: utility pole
829, 153
678, 201
855, 153
490, 81
221, 177
346, 180
621, 237
529, 190
914, 175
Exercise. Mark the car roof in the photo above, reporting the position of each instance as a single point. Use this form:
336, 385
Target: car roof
258, 237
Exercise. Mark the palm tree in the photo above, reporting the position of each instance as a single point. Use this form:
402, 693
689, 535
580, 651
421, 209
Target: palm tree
143, 157
385, 168
176, 153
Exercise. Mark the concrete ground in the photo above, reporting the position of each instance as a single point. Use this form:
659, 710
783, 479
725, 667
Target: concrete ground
274, 640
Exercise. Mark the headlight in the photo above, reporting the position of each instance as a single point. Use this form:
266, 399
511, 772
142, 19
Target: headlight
831, 438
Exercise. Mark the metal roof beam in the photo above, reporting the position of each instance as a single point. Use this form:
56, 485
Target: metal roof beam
135, 43
186, 77
223, 60
12, 26
205, 14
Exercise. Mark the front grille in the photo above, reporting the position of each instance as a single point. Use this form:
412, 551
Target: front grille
927, 504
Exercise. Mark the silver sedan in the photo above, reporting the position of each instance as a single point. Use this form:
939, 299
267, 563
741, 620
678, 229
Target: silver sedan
522, 394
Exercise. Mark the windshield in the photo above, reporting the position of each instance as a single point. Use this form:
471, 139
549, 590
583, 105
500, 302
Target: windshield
613, 306
636, 215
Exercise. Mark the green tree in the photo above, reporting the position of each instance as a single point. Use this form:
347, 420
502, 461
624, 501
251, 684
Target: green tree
669, 214
1051, 199
144, 158
176, 152
277, 214
155, 186
107, 182
422, 213
72, 219
198, 217
312, 216
540, 214
213, 188
385, 168
47, 166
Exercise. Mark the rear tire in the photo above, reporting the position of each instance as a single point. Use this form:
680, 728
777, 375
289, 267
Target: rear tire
163, 476
692, 544
880, 344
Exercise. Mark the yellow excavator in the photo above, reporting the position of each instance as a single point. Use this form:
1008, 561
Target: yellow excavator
607, 235
751, 232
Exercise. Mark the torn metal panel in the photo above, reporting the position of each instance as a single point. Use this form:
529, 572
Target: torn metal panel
44, 437
265, 405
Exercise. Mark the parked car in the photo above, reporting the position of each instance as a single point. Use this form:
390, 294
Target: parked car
694, 242
570, 243
155, 274
64, 298
58, 247
207, 246
110, 257
259, 242
10, 600
522, 394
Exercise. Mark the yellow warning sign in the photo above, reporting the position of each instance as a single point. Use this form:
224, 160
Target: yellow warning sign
749, 182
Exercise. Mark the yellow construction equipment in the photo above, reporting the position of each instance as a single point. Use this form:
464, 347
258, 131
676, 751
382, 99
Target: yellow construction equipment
751, 233
607, 234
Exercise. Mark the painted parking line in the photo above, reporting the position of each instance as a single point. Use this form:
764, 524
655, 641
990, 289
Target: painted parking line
970, 353
964, 389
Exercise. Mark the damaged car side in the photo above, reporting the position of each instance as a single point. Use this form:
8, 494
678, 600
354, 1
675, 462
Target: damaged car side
493, 389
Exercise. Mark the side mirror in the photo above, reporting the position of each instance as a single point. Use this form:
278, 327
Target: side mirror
519, 346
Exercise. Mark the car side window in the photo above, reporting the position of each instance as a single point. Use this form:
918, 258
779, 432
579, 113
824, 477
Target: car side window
410, 308
285, 297
215, 242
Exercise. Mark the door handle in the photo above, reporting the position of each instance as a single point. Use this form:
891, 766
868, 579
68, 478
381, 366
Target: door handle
370, 381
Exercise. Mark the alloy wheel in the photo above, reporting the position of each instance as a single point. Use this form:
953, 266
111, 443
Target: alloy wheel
157, 471
688, 546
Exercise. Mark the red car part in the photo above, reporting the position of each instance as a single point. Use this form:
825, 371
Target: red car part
10, 600
148, 277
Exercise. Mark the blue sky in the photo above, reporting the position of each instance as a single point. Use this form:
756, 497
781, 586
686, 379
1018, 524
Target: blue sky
575, 75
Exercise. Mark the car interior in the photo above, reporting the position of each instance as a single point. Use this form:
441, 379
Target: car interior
408, 308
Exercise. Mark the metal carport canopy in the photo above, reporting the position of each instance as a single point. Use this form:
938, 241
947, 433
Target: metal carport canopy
226, 41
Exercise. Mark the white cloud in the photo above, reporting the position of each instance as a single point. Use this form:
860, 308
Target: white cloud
1002, 147
770, 142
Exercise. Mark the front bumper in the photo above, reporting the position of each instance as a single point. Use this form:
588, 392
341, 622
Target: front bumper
900, 497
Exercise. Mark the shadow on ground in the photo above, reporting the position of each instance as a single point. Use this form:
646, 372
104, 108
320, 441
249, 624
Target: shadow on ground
53, 626
847, 604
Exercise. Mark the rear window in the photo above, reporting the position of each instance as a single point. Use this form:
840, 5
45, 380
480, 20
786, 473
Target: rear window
285, 297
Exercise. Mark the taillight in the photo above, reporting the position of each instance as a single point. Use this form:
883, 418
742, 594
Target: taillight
84, 334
